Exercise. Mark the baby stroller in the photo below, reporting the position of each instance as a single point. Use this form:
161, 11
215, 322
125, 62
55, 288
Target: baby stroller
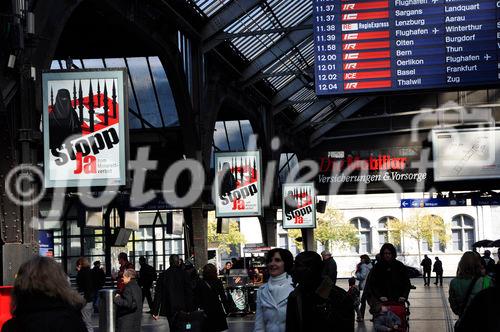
402, 310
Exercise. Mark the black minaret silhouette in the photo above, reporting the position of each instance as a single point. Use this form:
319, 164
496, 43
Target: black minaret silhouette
80, 102
91, 108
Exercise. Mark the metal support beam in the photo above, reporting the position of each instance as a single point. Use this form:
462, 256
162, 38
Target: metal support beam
288, 91
344, 113
311, 111
302, 120
222, 36
289, 103
278, 49
261, 76
226, 16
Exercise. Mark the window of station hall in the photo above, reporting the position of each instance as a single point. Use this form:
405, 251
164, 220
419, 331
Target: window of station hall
386, 234
364, 233
436, 245
462, 232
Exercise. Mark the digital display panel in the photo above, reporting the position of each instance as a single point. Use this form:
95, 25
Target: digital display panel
397, 45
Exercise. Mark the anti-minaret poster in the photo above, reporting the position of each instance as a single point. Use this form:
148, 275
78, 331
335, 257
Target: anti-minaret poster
84, 127
237, 184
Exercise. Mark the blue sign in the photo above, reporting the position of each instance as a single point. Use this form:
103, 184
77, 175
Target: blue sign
431, 202
372, 46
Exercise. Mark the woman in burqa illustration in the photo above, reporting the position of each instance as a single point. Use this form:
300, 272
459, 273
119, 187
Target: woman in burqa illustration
228, 182
63, 120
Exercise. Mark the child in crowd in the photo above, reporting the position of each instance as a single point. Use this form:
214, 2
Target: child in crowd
354, 293
386, 320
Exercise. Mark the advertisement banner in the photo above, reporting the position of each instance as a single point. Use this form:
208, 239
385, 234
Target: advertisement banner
299, 205
238, 184
46, 242
84, 128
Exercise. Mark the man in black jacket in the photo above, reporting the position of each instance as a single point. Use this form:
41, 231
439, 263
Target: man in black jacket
329, 266
438, 269
488, 263
427, 265
98, 280
86, 289
317, 304
147, 275
173, 294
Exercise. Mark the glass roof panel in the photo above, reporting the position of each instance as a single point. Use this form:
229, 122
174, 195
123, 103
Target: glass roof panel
248, 135
234, 135
210, 7
139, 73
93, 63
166, 99
270, 15
220, 138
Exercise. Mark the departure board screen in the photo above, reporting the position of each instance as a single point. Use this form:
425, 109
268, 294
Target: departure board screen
393, 45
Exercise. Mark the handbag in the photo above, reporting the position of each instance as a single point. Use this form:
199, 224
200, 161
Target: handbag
189, 321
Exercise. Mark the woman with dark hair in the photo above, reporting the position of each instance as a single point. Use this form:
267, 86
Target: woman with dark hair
468, 276
129, 304
389, 280
43, 300
272, 297
211, 298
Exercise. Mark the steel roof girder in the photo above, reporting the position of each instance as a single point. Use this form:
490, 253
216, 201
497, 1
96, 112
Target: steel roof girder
342, 114
226, 16
287, 91
311, 111
277, 50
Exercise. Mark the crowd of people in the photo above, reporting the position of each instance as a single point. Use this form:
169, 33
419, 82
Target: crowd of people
300, 294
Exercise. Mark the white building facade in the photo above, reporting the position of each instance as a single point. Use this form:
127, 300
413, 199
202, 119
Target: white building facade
371, 213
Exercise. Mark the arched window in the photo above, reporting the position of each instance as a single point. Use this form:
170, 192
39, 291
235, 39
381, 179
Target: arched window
462, 232
386, 234
363, 227
436, 245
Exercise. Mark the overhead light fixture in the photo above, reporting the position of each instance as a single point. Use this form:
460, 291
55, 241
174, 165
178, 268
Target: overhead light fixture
30, 23
12, 61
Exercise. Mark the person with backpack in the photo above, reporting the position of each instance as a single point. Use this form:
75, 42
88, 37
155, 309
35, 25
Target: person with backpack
317, 304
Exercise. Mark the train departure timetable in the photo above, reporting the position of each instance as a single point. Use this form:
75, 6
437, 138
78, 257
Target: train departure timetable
392, 45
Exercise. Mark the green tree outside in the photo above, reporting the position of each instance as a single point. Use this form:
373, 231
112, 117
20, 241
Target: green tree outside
421, 226
224, 241
333, 230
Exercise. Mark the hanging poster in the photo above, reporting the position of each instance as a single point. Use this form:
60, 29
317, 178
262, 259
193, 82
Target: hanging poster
299, 205
237, 184
84, 128
46, 243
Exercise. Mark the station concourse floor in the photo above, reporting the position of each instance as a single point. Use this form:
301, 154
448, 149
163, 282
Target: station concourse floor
429, 309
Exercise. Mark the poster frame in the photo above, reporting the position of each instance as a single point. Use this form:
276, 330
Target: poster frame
120, 74
257, 155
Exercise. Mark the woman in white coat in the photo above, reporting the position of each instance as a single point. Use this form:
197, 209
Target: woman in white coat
272, 297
